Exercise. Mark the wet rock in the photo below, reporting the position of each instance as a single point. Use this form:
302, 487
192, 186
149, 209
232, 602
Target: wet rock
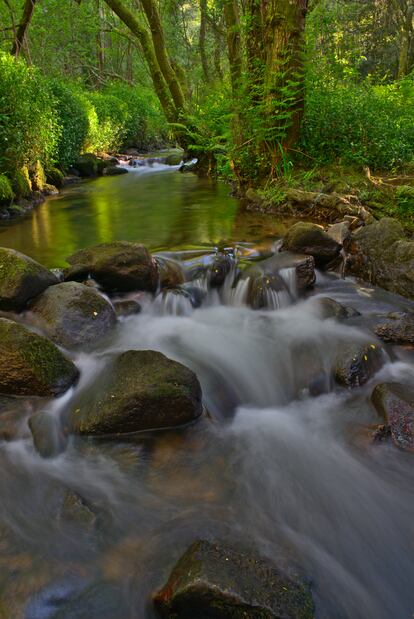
357, 363
115, 266
31, 365
395, 404
112, 170
72, 314
196, 294
329, 308
283, 265
140, 390
47, 433
170, 272
400, 331
381, 255
174, 159
75, 509
127, 307
219, 269
311, 239
215, 581
340, 232
21, 279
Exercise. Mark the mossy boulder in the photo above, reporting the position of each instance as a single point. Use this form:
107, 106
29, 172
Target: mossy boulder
381, 255
31, 365
311, 239
6, 191
37, 176
356, 364
21, 279
397, 331
140, 390
55, 177
112, 170
394, 402
216, 581
174, 159
115, 266
87, 165
22, 183
72, 314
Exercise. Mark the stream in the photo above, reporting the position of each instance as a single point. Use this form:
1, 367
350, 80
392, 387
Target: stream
289, 474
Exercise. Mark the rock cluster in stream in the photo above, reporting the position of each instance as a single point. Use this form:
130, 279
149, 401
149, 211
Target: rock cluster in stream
44, 320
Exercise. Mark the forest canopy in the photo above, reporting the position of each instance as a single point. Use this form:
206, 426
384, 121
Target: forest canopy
250, 88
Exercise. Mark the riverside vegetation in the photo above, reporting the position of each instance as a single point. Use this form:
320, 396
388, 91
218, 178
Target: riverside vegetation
223, 433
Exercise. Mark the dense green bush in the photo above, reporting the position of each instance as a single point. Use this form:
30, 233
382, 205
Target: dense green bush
359, 123
28, 125
72, 118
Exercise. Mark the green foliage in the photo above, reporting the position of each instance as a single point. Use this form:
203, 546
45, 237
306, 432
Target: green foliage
405, 201
6, 191
29, 130
72, 118
359, 123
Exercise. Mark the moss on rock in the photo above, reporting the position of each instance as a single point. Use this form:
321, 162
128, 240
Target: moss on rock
21, 279
311, 239
38, 176
140, 390
31, 365
6, 191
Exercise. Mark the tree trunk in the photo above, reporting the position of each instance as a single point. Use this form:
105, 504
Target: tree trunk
138, 30
164, 63
232, 18
202, 39
407, 42
28, 10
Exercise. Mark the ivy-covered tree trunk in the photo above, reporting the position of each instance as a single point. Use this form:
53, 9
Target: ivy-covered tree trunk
141, 33
157, 33
28, 10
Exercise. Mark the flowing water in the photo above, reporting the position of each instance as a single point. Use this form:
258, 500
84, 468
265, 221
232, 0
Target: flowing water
290, 475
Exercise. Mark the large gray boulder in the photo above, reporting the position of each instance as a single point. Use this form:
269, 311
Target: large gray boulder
395, 404
140, 390
115, 266
381, 255
72, 314
30, 364
215, 581
21, 279
311, 239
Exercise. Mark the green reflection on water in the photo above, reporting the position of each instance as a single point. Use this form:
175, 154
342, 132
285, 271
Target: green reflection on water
163, 210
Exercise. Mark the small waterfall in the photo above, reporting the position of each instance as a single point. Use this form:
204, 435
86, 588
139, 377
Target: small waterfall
174, 302
289, 277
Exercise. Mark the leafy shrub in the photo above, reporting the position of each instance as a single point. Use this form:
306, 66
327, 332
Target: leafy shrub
28, 126
6, 191
72, 117
111, 114
405, 200
359, 123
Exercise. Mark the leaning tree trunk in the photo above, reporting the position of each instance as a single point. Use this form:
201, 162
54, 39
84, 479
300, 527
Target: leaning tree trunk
164, 63
158, 80
28, 10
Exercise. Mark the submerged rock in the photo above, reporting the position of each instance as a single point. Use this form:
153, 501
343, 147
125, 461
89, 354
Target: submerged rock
357, 363
311, 239
214, 581
115, 266
141, 390
127, 307
21, 279
400, 331
31, 365
329, 308
48, 437
72, 314
395, 404
381, 255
